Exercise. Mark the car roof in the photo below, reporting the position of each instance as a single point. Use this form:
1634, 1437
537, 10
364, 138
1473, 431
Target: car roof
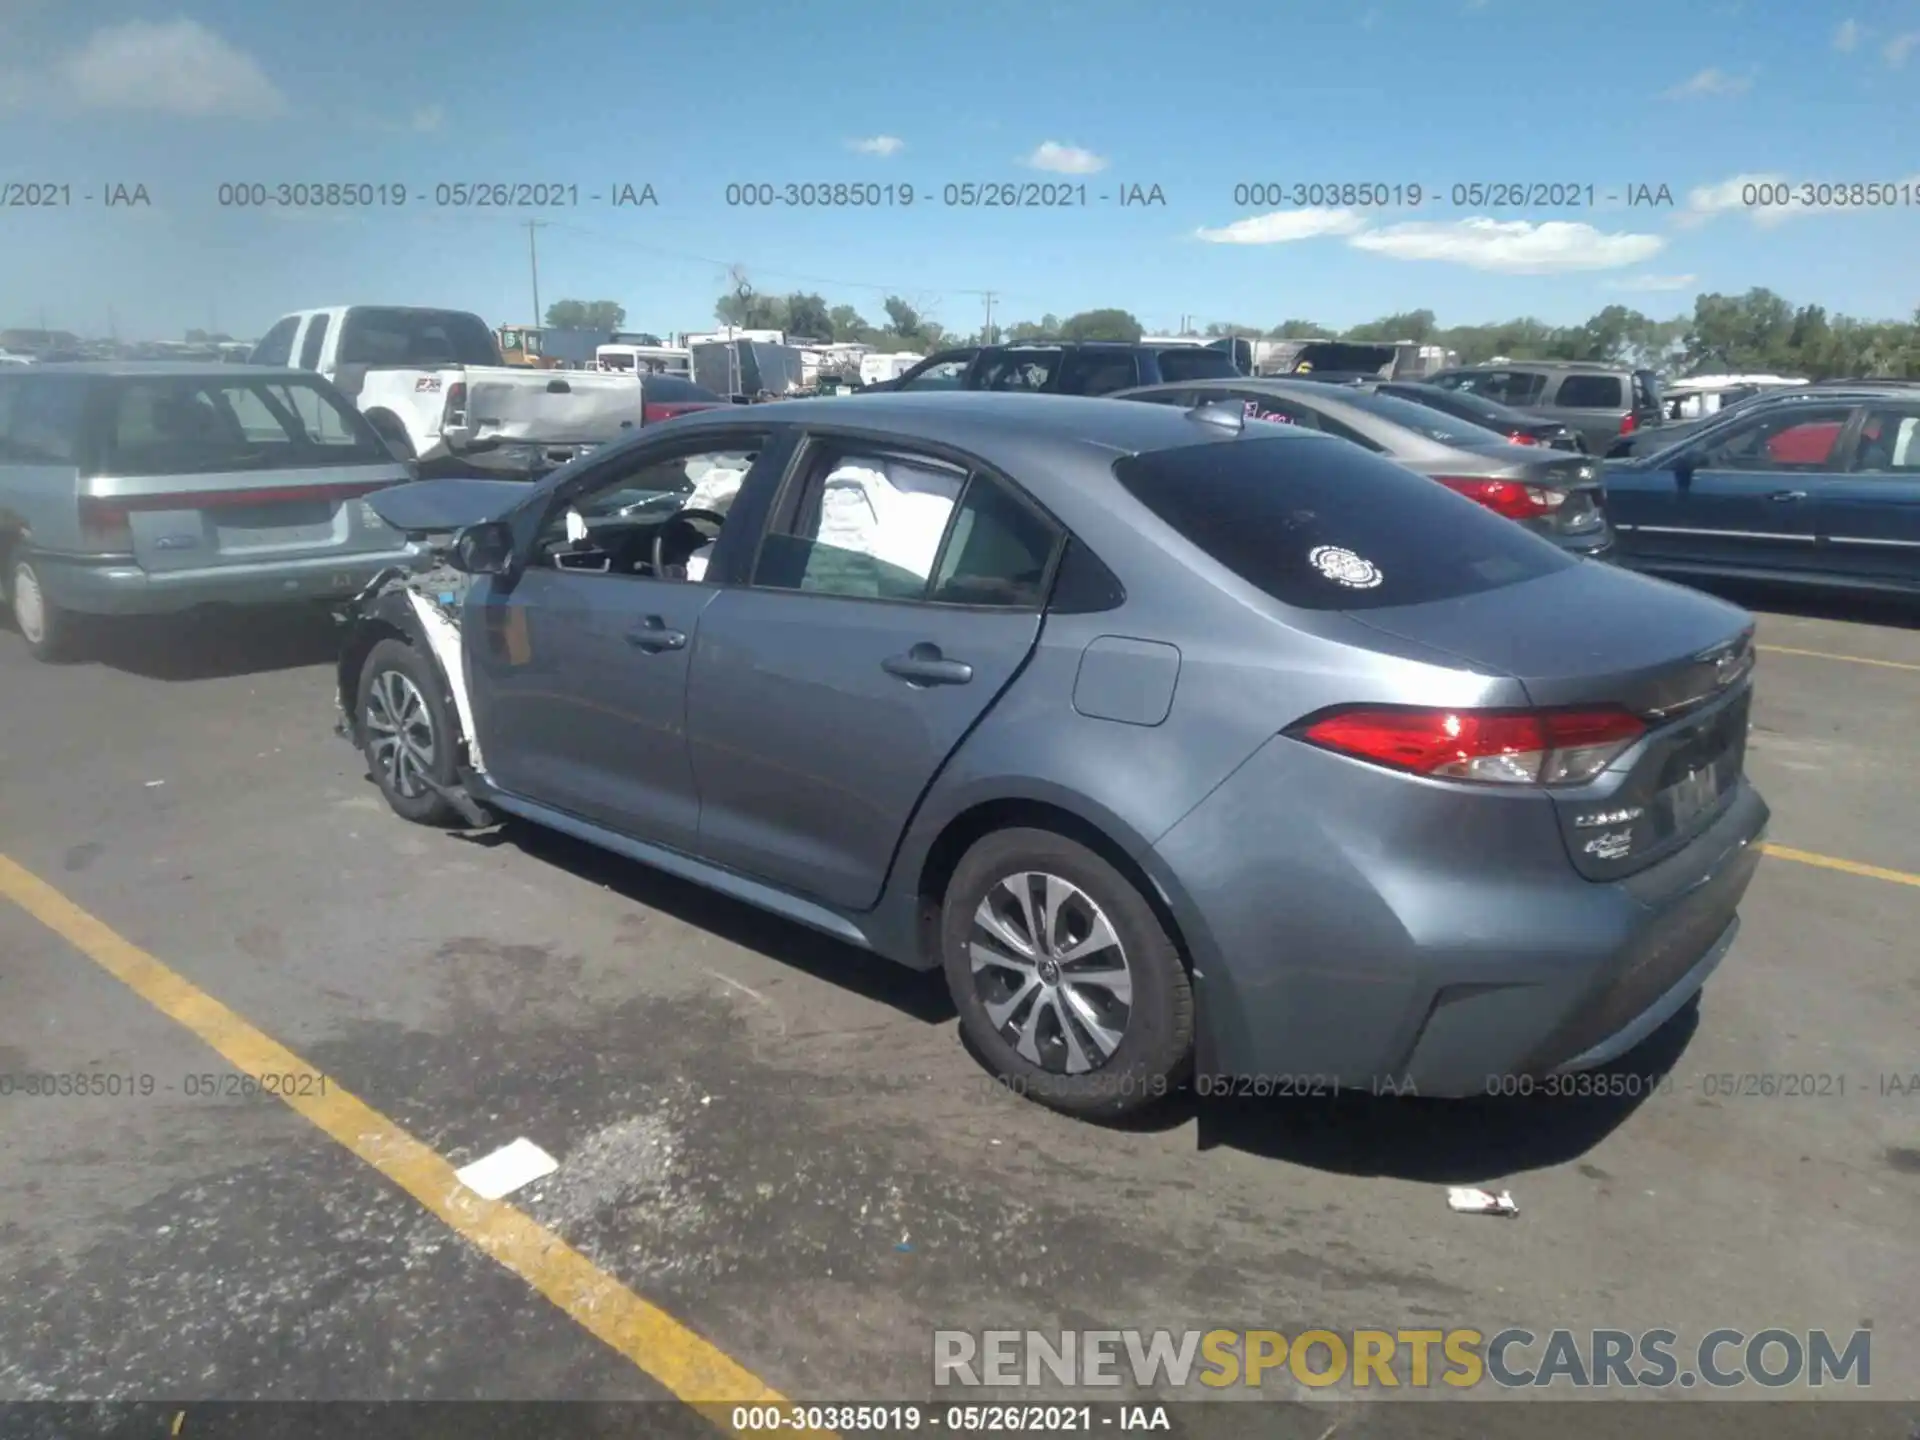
177, 369
1004, 429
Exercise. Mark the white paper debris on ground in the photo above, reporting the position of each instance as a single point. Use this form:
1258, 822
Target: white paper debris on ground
1469, 1201
507, 1169
152, 783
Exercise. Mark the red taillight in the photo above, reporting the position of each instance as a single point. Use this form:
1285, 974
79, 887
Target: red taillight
105, 527
1629, 423
1520, 437
1505, 497
454, 413
1502, 747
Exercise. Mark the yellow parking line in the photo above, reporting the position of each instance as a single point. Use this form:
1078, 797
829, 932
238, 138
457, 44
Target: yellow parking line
1829, 655
1850, 867
688, 1365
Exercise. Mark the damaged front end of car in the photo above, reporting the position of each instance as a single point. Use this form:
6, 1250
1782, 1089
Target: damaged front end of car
421, 605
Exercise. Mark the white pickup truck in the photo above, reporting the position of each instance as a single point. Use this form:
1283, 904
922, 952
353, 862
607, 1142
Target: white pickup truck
433, 384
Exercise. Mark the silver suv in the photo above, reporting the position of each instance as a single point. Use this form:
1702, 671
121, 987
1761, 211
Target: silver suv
1601, 402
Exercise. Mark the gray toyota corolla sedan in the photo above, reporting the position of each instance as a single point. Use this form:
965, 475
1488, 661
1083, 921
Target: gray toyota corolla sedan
1555, 493
1179, 742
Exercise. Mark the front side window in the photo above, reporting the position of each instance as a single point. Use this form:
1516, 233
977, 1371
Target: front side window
167, 426
628, 520
1802, 438
945, 372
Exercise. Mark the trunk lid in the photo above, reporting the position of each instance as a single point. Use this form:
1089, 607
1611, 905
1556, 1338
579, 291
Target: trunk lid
440, 507
195, 522
1593, 635
1581, 515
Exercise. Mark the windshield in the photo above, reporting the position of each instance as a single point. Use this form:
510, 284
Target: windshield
1328, 526
1424, 420
376, 336
175, 426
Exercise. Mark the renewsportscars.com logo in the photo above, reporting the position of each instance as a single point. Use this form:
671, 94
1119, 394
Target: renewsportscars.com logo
1214, 1360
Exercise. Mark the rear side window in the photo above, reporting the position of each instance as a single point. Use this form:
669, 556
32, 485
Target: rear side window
1322, 526
1590, 392
1503, 387
40, 419
276, 346
1098, 372
1195, 362
169, 426
1019, 370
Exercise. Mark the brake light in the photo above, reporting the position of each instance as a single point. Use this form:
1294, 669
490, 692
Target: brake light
454, 413
1629, 423
1505, 497
1499, 747
1520, 437
105, 526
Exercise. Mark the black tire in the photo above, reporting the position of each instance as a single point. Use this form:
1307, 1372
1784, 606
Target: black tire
1155, 1048
394, 668
391, 431
51, 633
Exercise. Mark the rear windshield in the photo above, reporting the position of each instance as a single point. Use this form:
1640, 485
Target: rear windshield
1326, 526
671, 390
376, 336
175, 426
1424, 420
1196, 362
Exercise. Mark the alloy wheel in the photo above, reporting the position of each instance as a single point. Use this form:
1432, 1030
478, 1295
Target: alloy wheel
400, 733
29, 606
1051, 972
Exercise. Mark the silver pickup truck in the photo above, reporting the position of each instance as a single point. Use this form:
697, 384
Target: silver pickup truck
139, 488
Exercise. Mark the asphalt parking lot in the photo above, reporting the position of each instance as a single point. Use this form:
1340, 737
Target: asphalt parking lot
780, 1143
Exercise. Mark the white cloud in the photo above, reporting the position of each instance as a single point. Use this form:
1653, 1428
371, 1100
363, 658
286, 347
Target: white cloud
1649, 284
1706, 201
175, 67
1711, 81
1064, 159
882, 145
1896, 50
1511, 247
1284, 225
1847, 37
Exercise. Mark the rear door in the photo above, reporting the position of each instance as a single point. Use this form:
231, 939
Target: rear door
946, 371
1743, 499
895, 596
236, 470
1868, 512
1029, 368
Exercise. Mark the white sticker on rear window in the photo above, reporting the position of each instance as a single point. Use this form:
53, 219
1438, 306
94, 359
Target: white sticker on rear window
1343, 567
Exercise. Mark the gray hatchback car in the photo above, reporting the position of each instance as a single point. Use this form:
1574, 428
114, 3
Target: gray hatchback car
1178, 744
140, 488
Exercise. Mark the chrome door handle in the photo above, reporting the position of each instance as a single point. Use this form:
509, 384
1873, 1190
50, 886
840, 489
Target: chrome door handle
1788, 495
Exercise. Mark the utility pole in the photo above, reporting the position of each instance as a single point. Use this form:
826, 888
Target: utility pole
986, 335
533, 261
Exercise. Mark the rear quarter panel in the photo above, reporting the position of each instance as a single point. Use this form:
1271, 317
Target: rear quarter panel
41, 502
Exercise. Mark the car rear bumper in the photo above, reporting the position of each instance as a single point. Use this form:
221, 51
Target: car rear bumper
1352, 927
120, 587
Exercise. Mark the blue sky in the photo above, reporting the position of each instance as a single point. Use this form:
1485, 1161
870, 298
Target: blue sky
1701, 96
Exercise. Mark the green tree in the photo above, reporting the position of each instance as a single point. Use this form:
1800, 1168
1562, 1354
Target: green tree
1102, 325
1414, 325
606, 315
808, 315
903, 320
1300, 330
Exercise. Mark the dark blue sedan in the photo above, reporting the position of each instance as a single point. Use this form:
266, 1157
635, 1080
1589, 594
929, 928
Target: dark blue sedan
1820, 493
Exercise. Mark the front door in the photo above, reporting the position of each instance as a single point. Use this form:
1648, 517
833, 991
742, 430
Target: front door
895, 597
579, 668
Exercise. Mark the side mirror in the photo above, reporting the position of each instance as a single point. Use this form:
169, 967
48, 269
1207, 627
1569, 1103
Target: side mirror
484, 549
